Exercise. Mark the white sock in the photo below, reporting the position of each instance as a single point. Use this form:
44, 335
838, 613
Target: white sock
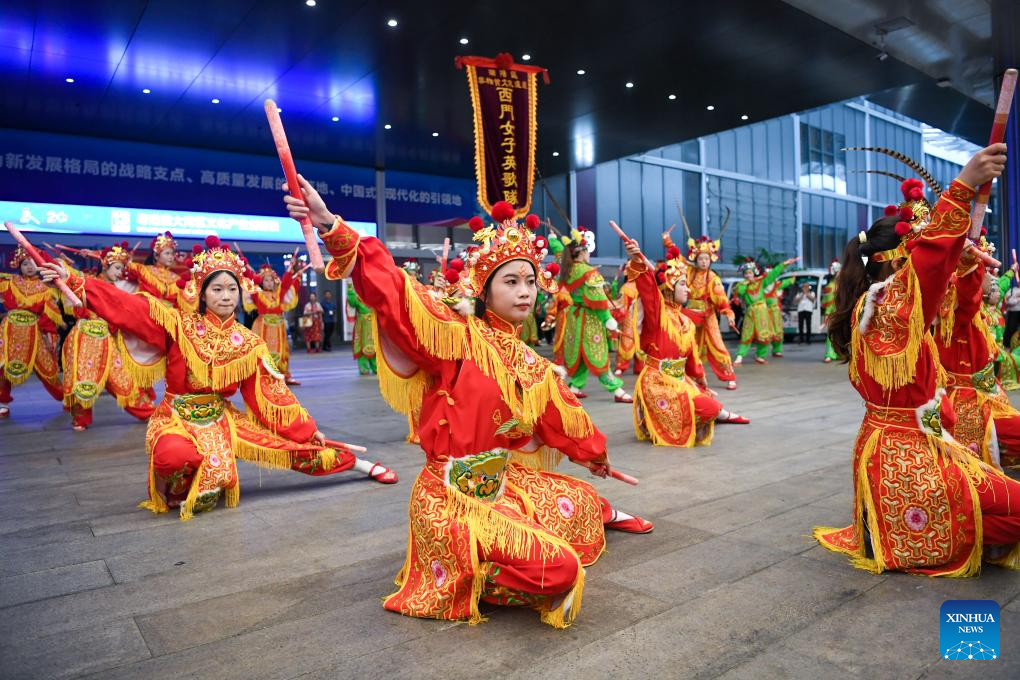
724, 415
619, 392
363, 466
619, 516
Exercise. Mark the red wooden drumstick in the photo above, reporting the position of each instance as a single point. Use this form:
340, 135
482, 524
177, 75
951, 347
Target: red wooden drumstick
446, 253
977, 215
349, 447
628, 239
983, 256
290, 172
40, 261
615, 474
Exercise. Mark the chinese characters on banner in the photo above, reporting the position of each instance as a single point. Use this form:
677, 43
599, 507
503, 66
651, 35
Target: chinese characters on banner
504, 96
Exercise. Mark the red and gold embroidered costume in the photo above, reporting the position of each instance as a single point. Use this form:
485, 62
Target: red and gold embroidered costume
196, 434
158, 280
926, 504
272, 305
626, 315
706, 302
985, 419
481, 525
671, 404
94, 360
28, 333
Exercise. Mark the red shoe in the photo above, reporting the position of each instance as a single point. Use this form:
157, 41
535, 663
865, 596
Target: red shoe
634, 525
580, 395
759, 360
624, 399
78, 428
5, 412
731, 385
291, 381
384, 476
734, 420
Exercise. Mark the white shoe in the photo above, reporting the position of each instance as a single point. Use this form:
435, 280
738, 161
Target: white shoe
618, 372
738, 361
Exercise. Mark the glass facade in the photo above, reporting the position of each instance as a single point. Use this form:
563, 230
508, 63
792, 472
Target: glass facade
792, 185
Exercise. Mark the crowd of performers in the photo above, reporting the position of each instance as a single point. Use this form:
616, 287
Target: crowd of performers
912, 309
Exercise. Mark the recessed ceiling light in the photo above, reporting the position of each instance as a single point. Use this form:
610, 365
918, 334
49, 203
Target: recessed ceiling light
146, 91
672, 96
279, 110
743, 117
387, 126
580, 71
710, 108
435, 134
335, 119
464, 41
556, 153
392, 23
525, 57
630, 84
68, 80
310, 3
215, 101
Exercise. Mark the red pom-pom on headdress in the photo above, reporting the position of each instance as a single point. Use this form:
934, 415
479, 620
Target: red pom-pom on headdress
502, 211
212, 241
452, 275
196, 249
916, 194
540, 243
532, 222
890, 210
456, 264
476, 223
906, 213
902, 229
182, 282
257, 279
553, 268
672, 253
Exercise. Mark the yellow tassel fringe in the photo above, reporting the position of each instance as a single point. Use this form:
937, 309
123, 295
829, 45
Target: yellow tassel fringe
442, 338
561, 617
143, 375
892, 371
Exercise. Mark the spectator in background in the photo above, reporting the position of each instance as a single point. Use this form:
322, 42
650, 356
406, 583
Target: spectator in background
328, 320
1012, 309
805, 300
311, 324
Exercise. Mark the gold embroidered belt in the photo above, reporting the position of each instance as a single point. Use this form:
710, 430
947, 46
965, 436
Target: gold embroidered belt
200, 409
22, 317
94, 328
926, 417
272, 319
479, 476
674, 368
983, 381
697, 305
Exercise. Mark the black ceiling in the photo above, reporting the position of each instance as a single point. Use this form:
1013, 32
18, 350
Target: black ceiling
762, 58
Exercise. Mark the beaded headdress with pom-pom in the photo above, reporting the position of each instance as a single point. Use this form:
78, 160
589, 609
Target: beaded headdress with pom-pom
505, 240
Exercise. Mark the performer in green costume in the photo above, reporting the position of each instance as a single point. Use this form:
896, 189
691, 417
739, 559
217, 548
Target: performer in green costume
363, 342
757, 326
829, 306
588, 321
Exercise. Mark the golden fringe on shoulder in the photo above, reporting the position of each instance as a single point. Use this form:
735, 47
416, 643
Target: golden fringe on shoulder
143, 375
403, 395
529, 404
895, 370
493, 530
442, 338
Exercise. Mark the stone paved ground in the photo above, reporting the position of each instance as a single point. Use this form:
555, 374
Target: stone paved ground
289, 584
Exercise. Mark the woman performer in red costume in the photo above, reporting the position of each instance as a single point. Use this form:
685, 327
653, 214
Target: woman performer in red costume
481, 525
672, 403
28, 334
196, 435
922, 502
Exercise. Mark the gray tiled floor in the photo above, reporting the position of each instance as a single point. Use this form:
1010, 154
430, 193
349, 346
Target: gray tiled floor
288, 584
